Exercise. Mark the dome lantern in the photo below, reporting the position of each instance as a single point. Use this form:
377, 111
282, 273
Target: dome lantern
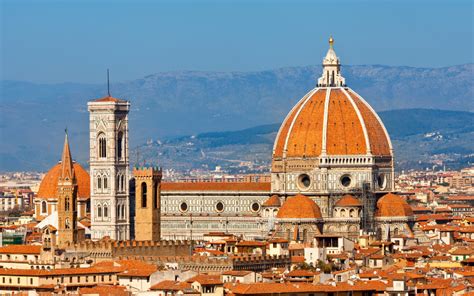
331, 76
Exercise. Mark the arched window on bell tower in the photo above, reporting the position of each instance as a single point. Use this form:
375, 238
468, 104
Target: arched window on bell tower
144, 193
102, 145
120, 145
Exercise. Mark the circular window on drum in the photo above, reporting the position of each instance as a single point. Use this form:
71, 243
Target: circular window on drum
255, 207
304, 181
382, 181
219, 207
346, 180
183, 207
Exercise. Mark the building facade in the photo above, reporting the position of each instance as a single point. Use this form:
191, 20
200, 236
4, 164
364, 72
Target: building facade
332, 150
109, 168
147, 203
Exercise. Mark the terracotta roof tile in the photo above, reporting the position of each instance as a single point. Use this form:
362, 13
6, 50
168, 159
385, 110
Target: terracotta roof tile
379, 144
109, 99
348, 201
104, 290
301, 207
392, 205
216, 186
171, 286
21, 249
301, 133
206, 279
49, 184
272, 201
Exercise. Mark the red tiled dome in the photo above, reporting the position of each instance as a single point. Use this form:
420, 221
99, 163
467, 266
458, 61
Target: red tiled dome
272, 201
299, 207
341, 122
348, 201
49, 184
392, 205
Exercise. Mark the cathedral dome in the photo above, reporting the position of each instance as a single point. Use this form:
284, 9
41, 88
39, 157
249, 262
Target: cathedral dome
331, 120
299, 207
392, 205
348, 201
49, 184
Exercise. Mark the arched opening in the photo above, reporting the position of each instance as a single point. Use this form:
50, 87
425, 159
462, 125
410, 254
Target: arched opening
44, 207
352, 213
343, 213
144, 194
120, 145
67, 224
99, 211
123, 212
105, 183
106, 211
395, 231
118, 214
305, 235
99, 182
66, 206
102, 145
122, 180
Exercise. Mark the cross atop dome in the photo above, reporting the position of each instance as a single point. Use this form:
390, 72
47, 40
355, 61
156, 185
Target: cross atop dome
331, 69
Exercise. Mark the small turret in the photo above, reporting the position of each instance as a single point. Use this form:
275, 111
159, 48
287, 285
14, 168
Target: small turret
331, 69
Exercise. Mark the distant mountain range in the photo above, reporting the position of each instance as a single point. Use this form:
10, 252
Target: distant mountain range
421, 138
166, 105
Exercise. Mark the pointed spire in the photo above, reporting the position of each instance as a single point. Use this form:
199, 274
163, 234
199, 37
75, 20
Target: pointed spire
331, 69
67, 171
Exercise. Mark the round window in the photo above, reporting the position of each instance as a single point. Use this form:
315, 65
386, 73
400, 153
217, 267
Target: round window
382, 181
346, 181
255, 206
183, 207
219, 207
304, 181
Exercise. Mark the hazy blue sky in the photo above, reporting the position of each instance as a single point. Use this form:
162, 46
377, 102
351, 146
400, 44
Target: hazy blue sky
58, 41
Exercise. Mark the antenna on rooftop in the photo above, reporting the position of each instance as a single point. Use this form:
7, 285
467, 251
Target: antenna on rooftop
108, 83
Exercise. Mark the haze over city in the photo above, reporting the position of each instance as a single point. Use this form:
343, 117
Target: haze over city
238, 148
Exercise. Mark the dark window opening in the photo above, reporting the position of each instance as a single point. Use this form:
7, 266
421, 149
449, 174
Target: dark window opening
144, 194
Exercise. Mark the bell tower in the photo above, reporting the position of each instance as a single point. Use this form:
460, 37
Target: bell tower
67, 199
147, 203
109, 163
